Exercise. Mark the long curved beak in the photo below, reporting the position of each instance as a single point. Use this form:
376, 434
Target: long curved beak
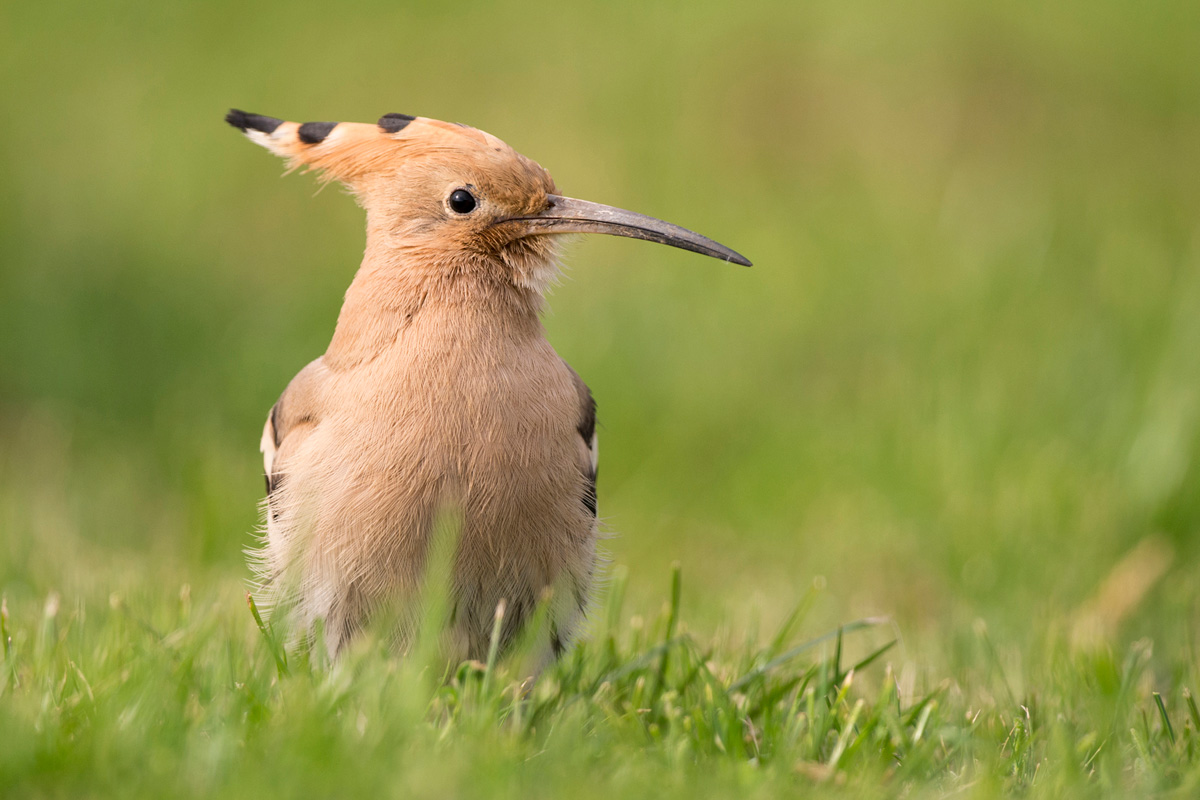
568, 215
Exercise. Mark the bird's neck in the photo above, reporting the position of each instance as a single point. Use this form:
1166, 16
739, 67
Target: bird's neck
396, 284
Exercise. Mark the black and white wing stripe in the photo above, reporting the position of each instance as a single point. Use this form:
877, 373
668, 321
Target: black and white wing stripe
587, 432
291, 421
270, 448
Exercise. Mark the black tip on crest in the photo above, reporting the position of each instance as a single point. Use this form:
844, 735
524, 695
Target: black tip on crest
315, 132
392, 123
243, 121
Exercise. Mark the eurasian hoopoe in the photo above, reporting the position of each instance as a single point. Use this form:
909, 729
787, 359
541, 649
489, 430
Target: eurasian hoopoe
438, 390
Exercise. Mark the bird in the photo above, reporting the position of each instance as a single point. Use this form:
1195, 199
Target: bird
438, 390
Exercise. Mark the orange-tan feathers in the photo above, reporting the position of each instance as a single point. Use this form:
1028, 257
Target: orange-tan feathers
350, 151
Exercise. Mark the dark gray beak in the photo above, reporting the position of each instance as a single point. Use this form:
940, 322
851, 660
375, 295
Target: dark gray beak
568, 215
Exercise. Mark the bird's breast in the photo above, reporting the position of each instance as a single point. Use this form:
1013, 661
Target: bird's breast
467, 415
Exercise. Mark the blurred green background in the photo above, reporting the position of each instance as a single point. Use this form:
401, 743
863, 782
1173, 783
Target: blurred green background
961, 381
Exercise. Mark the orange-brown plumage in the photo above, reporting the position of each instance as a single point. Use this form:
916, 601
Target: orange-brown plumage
438, 390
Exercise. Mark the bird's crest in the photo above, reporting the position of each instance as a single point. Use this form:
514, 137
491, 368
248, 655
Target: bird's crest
351, 151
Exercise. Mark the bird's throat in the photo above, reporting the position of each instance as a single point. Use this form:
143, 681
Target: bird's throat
389, 296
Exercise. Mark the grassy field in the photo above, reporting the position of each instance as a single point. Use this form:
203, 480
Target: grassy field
958, 397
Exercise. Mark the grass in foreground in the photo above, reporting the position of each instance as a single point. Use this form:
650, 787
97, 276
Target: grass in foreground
179, 699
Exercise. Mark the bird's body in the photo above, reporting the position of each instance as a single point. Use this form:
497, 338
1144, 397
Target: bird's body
462, 413
439, 393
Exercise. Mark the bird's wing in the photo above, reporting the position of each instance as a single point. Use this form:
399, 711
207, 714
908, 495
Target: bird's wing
587, 433
292, 419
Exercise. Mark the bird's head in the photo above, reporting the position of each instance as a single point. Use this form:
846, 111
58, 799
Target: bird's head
453, 195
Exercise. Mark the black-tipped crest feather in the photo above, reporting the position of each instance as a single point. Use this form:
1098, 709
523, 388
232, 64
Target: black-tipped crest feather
392, 123
244, 121
315, 132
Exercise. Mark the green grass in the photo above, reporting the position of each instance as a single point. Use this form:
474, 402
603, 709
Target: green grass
180, 699
958, 390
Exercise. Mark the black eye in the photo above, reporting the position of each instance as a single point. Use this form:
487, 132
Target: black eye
462, 202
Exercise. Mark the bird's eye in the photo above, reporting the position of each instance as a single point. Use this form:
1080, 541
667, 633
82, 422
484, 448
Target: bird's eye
462, 202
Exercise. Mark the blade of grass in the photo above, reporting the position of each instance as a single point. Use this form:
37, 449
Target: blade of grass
272, 643
616, 600
1162, 712
493, 647
922, 720
793, 620
837, 658
874, 656
1192, 710
783, 658
1142, 750
847, 732
635, 664
669, 633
